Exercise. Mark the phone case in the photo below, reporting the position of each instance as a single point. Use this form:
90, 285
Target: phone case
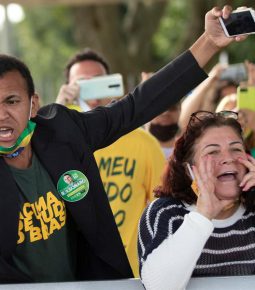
246, 98
101, 87
224, 27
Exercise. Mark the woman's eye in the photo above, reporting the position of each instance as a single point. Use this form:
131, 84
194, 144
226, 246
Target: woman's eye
238, 150
213, 152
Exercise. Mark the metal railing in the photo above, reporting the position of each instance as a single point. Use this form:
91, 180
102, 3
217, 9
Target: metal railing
212, 283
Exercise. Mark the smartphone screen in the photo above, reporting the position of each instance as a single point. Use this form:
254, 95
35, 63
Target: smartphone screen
239, 23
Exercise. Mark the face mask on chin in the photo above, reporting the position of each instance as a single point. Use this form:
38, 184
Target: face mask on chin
22, 141
164, 133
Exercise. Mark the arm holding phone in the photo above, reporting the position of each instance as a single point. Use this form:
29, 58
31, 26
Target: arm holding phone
88, 93
203, 96
203, 49
212, 40
68, 94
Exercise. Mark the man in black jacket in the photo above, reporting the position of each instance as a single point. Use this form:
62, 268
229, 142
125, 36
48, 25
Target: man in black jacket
54, 231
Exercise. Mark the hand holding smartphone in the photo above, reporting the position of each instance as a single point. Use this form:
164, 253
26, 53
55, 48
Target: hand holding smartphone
100, 87
239, 22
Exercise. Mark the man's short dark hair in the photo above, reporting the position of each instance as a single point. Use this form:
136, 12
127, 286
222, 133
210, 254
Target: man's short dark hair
10, 63
86, 54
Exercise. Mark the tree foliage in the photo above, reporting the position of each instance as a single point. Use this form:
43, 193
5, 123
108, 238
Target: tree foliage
45, 42
184, 21
122, 32
133, 36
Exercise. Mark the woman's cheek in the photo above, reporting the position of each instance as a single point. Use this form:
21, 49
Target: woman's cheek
241, 155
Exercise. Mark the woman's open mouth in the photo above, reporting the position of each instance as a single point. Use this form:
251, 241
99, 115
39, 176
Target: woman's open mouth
227, 176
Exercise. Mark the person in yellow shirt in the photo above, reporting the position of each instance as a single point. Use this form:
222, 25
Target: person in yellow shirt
130, 168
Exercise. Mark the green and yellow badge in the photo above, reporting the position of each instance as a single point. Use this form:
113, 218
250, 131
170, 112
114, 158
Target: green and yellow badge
73, 185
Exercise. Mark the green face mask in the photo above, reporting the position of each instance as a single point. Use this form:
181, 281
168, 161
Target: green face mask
21, 143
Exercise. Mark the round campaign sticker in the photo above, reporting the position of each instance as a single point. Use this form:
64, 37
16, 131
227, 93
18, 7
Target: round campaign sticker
73, 185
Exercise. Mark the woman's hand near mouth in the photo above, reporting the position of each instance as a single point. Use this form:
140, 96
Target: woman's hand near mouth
249, 178
208, 203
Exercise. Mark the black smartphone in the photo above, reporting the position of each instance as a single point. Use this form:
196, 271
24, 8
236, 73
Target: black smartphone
239, 22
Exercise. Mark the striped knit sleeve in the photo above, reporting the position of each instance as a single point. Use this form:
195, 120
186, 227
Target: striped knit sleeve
168, 255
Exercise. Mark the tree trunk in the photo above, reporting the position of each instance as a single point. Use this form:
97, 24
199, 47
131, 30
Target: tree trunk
121, 32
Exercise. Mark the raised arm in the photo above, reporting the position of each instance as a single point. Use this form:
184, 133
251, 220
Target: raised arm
202, 97
165, 88
213, 39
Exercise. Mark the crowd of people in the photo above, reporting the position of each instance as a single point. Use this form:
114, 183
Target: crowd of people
85, 182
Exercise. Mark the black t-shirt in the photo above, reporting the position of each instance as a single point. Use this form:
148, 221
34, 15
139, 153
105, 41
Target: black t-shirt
46, 245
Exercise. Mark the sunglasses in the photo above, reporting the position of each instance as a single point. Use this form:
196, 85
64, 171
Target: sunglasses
201, 115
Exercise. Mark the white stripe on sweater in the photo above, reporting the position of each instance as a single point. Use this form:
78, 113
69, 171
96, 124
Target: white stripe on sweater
224, 264
230, 250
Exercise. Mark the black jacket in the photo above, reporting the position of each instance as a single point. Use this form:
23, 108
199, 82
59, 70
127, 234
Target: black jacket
65, 140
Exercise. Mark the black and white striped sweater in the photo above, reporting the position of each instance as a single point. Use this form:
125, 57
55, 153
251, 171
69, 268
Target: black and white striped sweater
228, 250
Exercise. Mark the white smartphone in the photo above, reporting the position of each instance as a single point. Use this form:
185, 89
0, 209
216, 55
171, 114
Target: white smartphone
239, 22
101, 87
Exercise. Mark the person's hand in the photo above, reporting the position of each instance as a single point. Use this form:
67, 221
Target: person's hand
213, 39
214, 30
68, 94
145, 76
216, 71
208, 204
249, 178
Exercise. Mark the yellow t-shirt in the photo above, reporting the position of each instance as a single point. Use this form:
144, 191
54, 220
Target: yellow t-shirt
130, 169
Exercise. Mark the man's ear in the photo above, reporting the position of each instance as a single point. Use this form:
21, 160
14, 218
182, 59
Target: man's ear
35, 103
